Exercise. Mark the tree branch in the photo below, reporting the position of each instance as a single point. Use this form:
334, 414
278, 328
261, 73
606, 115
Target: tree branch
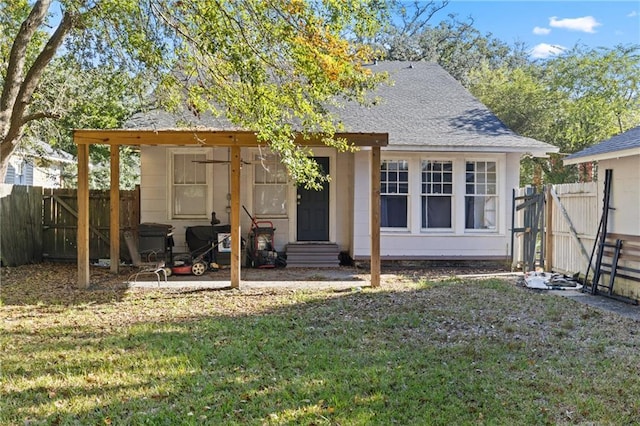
40, 115
34, 74
17, 58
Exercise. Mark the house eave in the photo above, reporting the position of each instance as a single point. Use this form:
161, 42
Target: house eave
469, 148
612, 155
208, 137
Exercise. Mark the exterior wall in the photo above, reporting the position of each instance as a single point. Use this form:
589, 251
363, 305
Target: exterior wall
344, 200
155, 195
421, 244
22, 171
625, 216
625, 194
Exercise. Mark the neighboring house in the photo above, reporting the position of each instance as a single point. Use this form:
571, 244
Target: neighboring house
621, 154
446, 183
37, 164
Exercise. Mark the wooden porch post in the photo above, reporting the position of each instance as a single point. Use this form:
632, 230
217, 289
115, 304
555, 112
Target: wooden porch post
114, 210
83, 216
236, 243
375, 216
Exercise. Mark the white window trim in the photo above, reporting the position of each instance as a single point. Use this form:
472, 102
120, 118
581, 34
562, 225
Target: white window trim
499, 194
414, 205
252, 180
410, 195
453, 195
209, 187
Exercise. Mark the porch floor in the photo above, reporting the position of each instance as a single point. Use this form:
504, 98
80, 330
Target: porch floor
339, 278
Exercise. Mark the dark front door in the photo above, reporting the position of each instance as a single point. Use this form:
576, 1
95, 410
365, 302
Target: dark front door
313, 209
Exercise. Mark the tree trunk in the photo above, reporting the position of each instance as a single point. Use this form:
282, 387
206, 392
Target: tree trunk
20, 83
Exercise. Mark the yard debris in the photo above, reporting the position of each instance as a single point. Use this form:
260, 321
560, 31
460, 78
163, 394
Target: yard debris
541, 280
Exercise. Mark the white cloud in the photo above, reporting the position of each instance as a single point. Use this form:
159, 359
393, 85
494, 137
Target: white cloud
541, 31
632, 14
544, 50
585, 24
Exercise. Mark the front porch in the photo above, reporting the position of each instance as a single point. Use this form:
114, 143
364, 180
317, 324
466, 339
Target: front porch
235, 141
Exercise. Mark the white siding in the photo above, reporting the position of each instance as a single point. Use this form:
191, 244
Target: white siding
625, 194
155, 195
343, 181
155, 169
23, 172
422, 244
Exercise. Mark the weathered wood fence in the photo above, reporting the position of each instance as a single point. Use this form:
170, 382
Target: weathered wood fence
42, 223
20, 224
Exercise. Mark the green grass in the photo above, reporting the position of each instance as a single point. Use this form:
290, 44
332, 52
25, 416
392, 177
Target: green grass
446, 352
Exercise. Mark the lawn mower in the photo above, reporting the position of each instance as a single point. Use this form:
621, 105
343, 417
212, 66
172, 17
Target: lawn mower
197, 264
203, 242
259, 251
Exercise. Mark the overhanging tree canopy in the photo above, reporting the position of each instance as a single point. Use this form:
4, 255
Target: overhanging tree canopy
273, 66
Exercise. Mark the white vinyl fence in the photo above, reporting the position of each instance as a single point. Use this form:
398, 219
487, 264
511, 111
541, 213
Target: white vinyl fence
575, 216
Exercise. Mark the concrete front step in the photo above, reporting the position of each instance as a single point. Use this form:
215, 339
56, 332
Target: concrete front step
318, 255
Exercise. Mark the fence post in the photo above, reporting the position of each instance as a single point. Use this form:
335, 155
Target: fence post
548, 229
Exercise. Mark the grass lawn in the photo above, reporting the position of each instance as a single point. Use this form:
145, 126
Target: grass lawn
419, 350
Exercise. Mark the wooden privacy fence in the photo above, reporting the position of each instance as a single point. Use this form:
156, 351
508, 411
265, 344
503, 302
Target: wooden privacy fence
39, 223
20, 224
60, 223
570, 224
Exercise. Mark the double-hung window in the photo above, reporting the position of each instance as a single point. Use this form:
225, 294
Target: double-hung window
394, 193
481, 198
437, 194
270, 189
189, 186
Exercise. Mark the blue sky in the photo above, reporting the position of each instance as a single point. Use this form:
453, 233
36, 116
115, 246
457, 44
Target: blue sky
547, 27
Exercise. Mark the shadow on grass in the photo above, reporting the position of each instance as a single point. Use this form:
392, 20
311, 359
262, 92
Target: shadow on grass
436, 356
56, 284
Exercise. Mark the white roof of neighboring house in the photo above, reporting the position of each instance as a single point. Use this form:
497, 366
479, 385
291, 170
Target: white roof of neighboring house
38, 149
622, 145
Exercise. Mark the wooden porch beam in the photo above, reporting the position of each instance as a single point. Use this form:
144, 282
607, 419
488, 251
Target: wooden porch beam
236, 243
375, 217
83, 217
114, 210
200, 138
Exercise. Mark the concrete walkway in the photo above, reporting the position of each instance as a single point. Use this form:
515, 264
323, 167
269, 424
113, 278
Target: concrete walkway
619, 307
293, 278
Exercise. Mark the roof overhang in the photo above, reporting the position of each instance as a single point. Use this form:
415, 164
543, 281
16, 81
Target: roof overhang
470, 148
209, 137
602, 156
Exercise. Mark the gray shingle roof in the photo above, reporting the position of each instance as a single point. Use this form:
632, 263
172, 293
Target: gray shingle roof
621, 142
425, 107
421, 108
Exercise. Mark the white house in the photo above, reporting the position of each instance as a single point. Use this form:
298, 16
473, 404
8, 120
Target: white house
446, 178
621, 155
37, 164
